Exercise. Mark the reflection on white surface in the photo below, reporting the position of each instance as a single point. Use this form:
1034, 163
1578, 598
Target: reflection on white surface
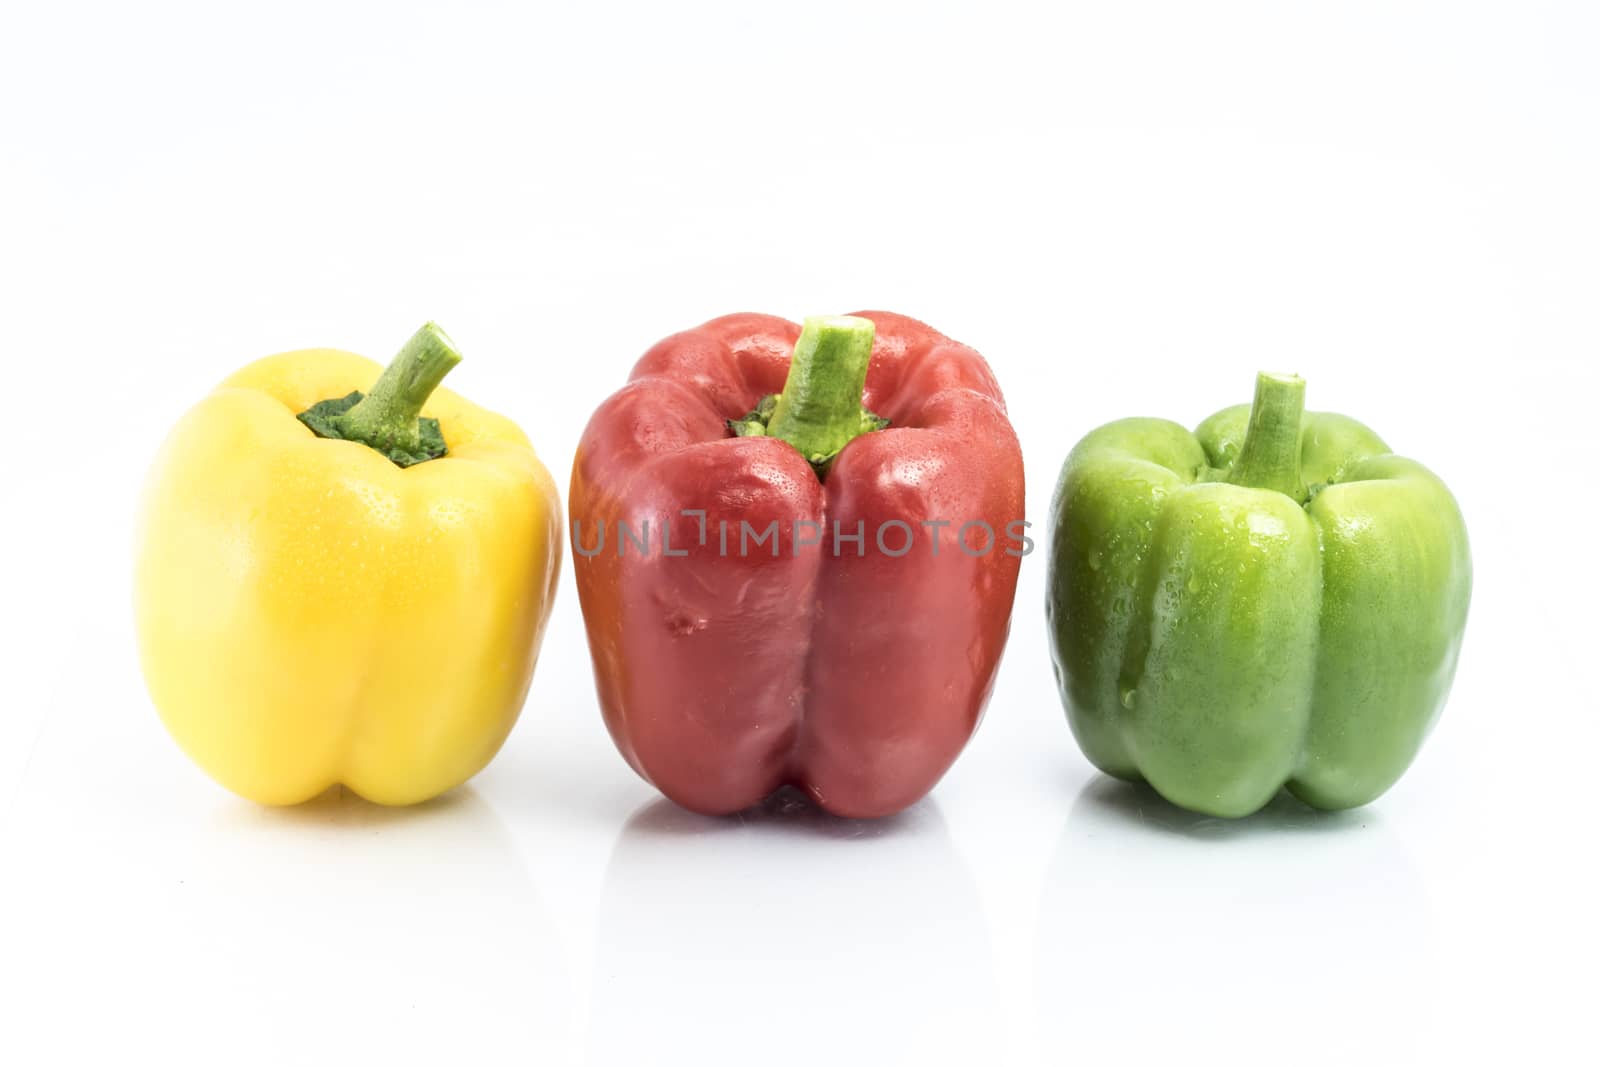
789, 936
335, 931
1294, 933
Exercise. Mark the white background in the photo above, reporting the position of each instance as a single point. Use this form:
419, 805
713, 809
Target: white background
1129, 208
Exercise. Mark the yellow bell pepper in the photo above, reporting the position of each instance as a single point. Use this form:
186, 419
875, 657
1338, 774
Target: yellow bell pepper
333, 588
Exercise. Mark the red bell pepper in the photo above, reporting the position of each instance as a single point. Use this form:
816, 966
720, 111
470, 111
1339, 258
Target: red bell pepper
778, 590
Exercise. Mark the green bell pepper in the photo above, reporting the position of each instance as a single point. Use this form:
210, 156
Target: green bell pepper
1274, 599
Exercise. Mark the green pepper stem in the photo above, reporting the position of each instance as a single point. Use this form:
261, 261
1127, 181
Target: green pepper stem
386, 418
1270, 455
819, 410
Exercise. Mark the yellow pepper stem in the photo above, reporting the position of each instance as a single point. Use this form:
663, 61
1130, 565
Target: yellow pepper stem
387, 418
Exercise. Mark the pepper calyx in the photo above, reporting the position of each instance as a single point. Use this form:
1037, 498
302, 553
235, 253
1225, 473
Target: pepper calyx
322, 418
755, 423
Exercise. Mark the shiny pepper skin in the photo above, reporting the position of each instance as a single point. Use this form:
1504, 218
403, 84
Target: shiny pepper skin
856, 678
309, 613
1222, 638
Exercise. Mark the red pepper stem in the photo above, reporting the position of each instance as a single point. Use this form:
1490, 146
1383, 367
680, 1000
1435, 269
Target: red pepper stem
819, 410
1270, 455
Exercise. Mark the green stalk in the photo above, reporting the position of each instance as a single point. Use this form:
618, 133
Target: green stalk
1270, 455
388, 417
819, 410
